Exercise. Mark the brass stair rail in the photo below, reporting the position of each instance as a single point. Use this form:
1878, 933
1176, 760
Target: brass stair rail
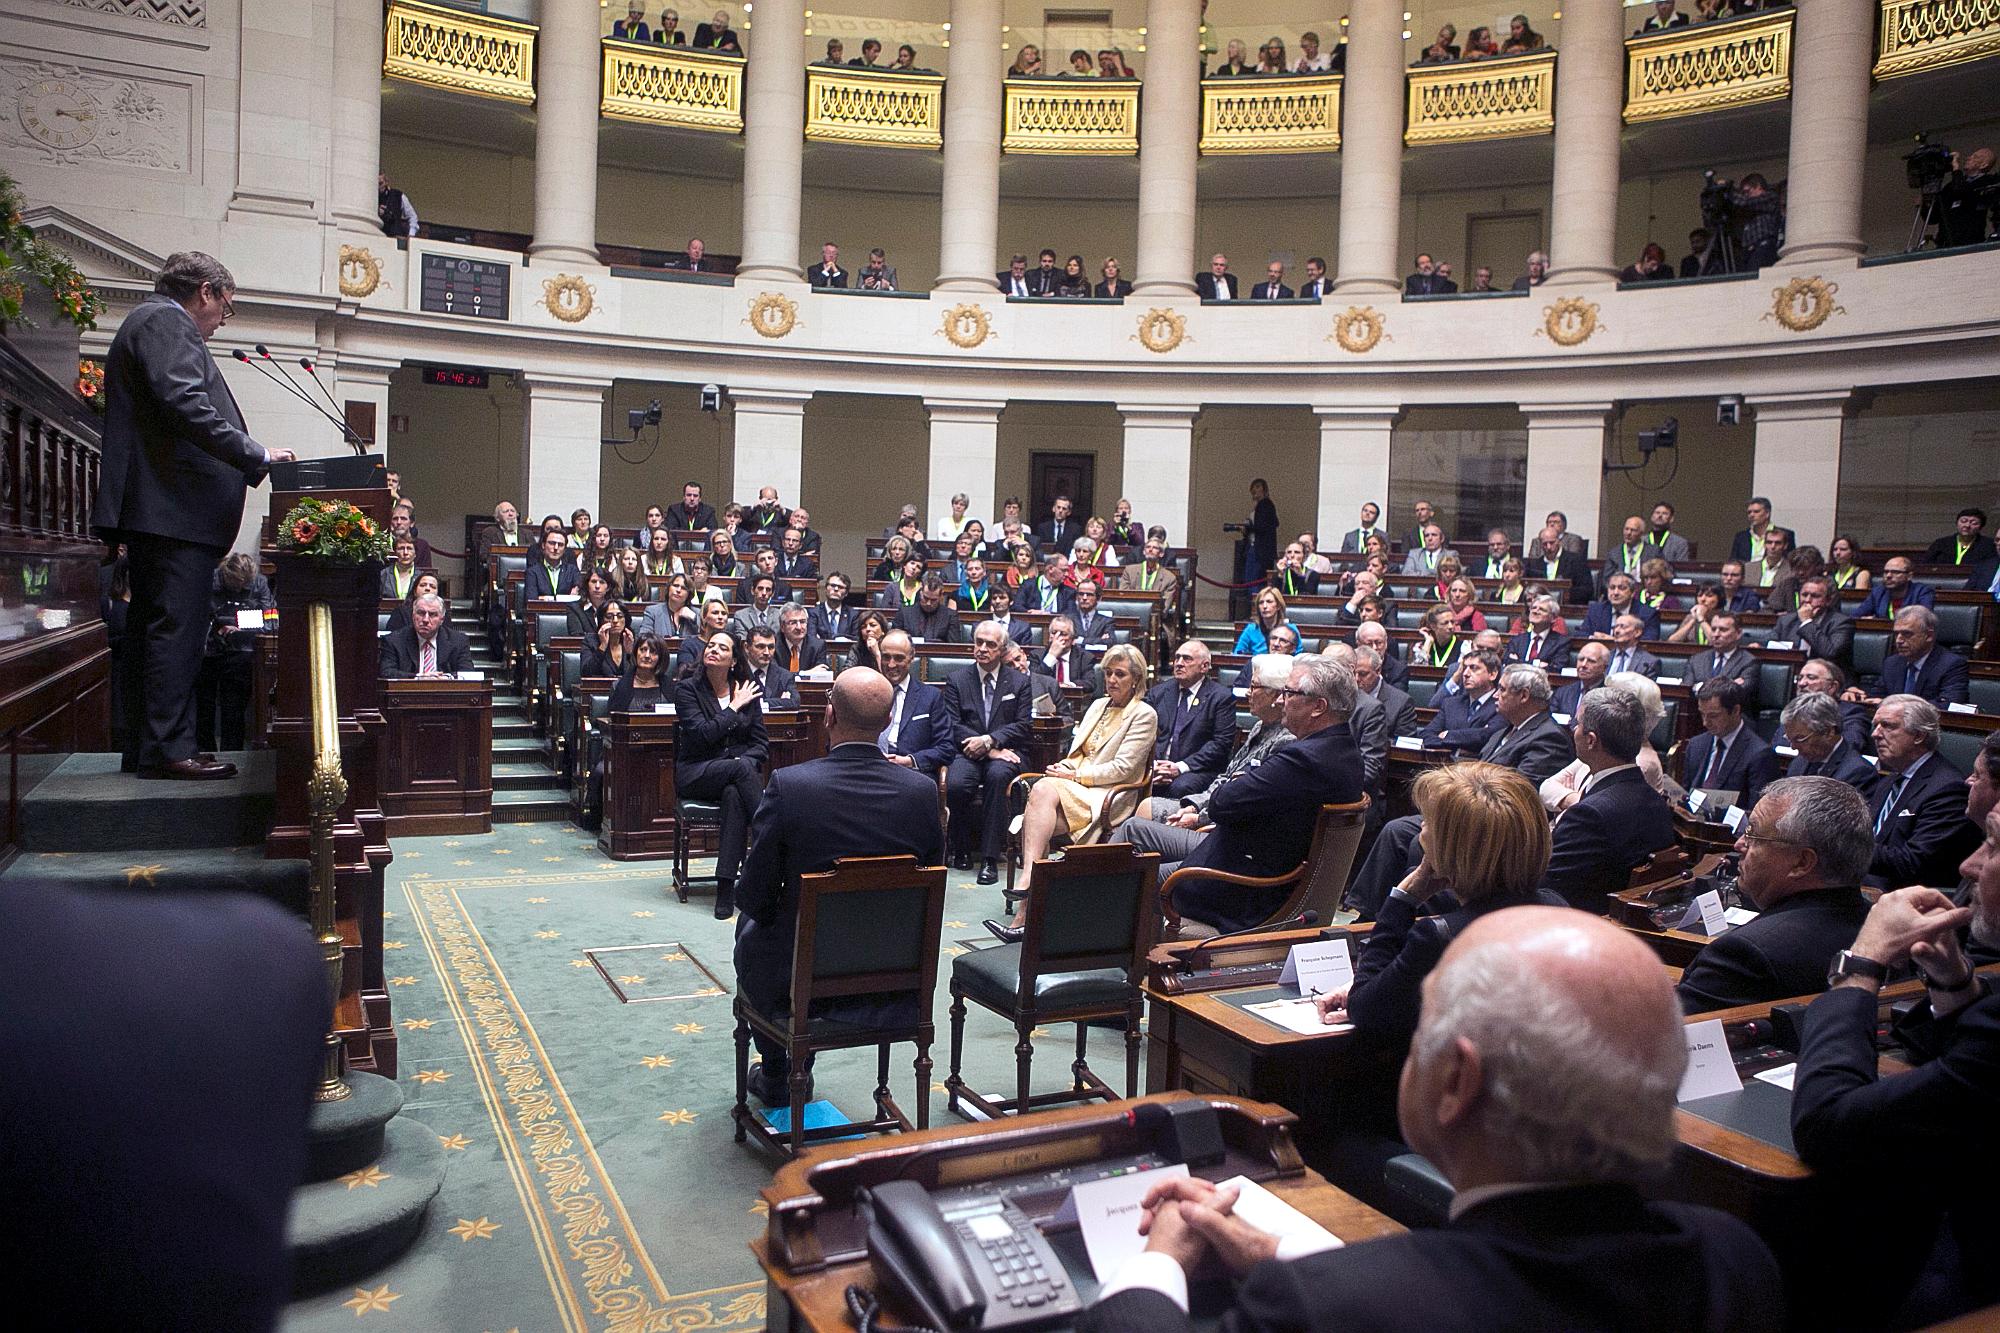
326, 792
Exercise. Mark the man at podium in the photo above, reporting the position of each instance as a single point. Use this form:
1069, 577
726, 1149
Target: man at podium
176, 464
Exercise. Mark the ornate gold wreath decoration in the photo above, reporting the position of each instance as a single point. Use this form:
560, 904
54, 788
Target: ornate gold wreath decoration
1804, 304
360, 271
1571, 320
1161, 330
967, 325
1357, 329
568, 297
773, 314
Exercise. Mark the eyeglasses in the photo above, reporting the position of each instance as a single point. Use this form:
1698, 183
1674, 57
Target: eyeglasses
228, 305
1748, 836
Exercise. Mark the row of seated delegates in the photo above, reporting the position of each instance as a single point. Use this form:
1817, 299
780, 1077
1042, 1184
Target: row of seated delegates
877, 275
1433, 277
1271, 58
1219, 284
1668, 14
1109, 63
1047, 279
715, 35
1480, 43
871, 57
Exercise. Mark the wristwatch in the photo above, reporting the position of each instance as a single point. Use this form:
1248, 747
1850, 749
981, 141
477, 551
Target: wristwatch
1847, 964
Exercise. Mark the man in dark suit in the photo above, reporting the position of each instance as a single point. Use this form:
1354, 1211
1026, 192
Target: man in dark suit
1372, 634
1819, 676
1197, 724
1530, 742
1014, 282
1725, 658
1917, 800
1626, 654
1092, 625
1273, 287
1748, 545
1218, 284
1666, 14
1048, 590
1427, 281
175, 465
1968, 544
793, 562
1621, 598
1544, 1232
1737, 595
1555, 563
1867, 1136
426, 648
1818, 626
163, 1172
1467, 719
1919, 666
932, 617
1804, 850
761, 647
1001, 612
798, 648
1728, 755
1399, 712
1355, 539
831, 617
1264, 818
1315, 287
1635, 548
988, 709
1061, 657
551, 574
1541, 642
1811, 724
1619, 821
918, 734
1059, 530
1593, 664
854, 802
828, 272
691, 515
1045, 276
1893, 591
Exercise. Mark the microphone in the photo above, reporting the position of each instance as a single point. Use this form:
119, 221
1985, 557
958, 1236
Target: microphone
353, 437
1308, 917
347, 433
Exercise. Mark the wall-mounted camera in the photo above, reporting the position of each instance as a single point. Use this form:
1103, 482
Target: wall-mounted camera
711, 397
1663, 436
1729, 410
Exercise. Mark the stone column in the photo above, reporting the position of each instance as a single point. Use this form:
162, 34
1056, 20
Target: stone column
1566, 465
770, 440
568, 77
1797, 464
357, 113
564, 444
774, 112
1833, 51
965, 451
1169, 136
1159, 465
1371, 149
974, 66
1353, 466
1590, 102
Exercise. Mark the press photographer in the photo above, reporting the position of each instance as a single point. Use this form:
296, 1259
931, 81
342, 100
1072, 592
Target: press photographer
1745, 221
1967, 199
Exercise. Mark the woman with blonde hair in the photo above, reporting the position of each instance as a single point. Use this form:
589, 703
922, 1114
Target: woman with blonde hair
1268, 612
1113, 749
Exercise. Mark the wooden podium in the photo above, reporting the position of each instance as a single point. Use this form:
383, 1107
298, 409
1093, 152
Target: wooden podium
361, 840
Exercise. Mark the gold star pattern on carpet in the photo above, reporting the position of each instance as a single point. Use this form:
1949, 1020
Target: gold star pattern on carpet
462, 863
418, 1024
402, 981
135, 875
953, 951
377, 1301
388, 916
657, 1061
454, 1142
371, 1176
956, 925
503, 851
633, 980
468, 1229
395, 944
433, 1075
758, 1208
579, 962
536, 842
454, 843
673, 958
550, 858
680, 1117
548, 934
707, 990
687, 1029
537, 901
642, 915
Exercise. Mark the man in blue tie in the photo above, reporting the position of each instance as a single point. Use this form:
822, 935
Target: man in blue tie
987, 707
1197, 724
1917, 800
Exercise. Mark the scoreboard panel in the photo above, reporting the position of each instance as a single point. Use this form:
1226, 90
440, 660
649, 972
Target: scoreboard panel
453, 285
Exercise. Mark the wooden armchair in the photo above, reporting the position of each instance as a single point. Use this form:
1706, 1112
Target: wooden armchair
1019, 788
1317, 884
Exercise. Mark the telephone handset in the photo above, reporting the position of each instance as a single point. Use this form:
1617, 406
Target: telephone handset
987, 1269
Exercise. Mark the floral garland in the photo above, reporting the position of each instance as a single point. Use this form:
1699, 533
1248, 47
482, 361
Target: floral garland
24, 255
333, 531
90, 382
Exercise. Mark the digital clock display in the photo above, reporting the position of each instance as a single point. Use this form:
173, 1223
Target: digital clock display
456, 286
455, 377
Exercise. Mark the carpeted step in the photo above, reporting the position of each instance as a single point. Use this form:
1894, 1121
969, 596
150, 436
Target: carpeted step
539, 806
87, 805
348, 1134
351, 1225
523, 775
178, 870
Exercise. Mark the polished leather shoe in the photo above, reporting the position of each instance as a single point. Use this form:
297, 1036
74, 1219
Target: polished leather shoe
961, 861
989, 872
190, 770
725, 902
1005, 934
773, 1092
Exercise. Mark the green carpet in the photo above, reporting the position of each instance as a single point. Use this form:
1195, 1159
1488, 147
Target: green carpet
592, 1180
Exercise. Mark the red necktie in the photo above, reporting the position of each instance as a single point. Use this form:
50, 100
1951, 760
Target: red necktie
430, 660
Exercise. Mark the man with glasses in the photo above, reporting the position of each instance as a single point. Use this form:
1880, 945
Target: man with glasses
1804, 850
1811, 724
1893, 591
1916, 804
832, 617
176, 464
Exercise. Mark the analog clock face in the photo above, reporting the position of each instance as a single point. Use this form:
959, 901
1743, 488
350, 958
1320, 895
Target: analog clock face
58, 113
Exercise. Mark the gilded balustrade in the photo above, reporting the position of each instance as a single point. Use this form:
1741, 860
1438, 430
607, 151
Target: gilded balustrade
1708, 67
1293, 113
673, 85
874, 107
1918, 35
1072, 117
459, 50
1482, 99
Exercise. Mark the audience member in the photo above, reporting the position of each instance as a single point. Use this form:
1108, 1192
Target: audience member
1469, 717
1666, 14
1896, 590
1197, 723
717, 35
1919, 666
1027, 64
1236, 62
1273, 287
1427, 281
1112, 286
1555, 563
1443, 48
1968, 544
1152, 574
1725, 658
1537, 274
1728, 755
828, 272
798, 648
720, 749
1218, 284
1917, 802
988, 707
1618, 820
428, 649
1811, 725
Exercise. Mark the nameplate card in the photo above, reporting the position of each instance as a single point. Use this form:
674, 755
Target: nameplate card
1408, 743
1319, 968
1108, 1211
1732, 819
569, 597
1569, 672
1562, 719
1781, 1077
251, 619
1706, 911
1784, 752
1960, 708
469, 675
1781, 644
1273, 1216
663, 708
1710, 1070
1669, 680
1738, 916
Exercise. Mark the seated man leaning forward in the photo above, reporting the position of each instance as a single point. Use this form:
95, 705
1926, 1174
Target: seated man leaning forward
1541, 1083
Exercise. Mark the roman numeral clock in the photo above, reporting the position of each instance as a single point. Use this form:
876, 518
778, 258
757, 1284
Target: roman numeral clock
58, 113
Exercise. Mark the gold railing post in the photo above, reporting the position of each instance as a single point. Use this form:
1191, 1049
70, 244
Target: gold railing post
326, 793
1708, 67
1920, 35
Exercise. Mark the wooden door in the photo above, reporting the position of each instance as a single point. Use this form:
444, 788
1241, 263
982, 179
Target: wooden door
1051, 475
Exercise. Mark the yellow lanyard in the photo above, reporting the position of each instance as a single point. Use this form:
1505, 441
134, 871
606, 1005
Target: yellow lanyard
403, 581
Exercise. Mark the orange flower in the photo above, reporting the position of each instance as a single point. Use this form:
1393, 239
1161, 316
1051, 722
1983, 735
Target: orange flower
368, 527
342, 528
303, 532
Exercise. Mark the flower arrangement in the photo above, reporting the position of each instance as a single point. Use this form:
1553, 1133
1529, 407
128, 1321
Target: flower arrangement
24, 256
333, 531
90, 382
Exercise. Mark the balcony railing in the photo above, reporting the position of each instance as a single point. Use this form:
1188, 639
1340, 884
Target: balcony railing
873, 107
1084, 116
466, 52
1917, 35
1708, 67
1482, 99
672, 85
1297, 113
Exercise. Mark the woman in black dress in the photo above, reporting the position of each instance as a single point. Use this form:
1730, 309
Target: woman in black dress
720, 749
608, 652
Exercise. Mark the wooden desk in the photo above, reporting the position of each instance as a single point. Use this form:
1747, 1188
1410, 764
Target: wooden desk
639, 791
436, 764
810, 1252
